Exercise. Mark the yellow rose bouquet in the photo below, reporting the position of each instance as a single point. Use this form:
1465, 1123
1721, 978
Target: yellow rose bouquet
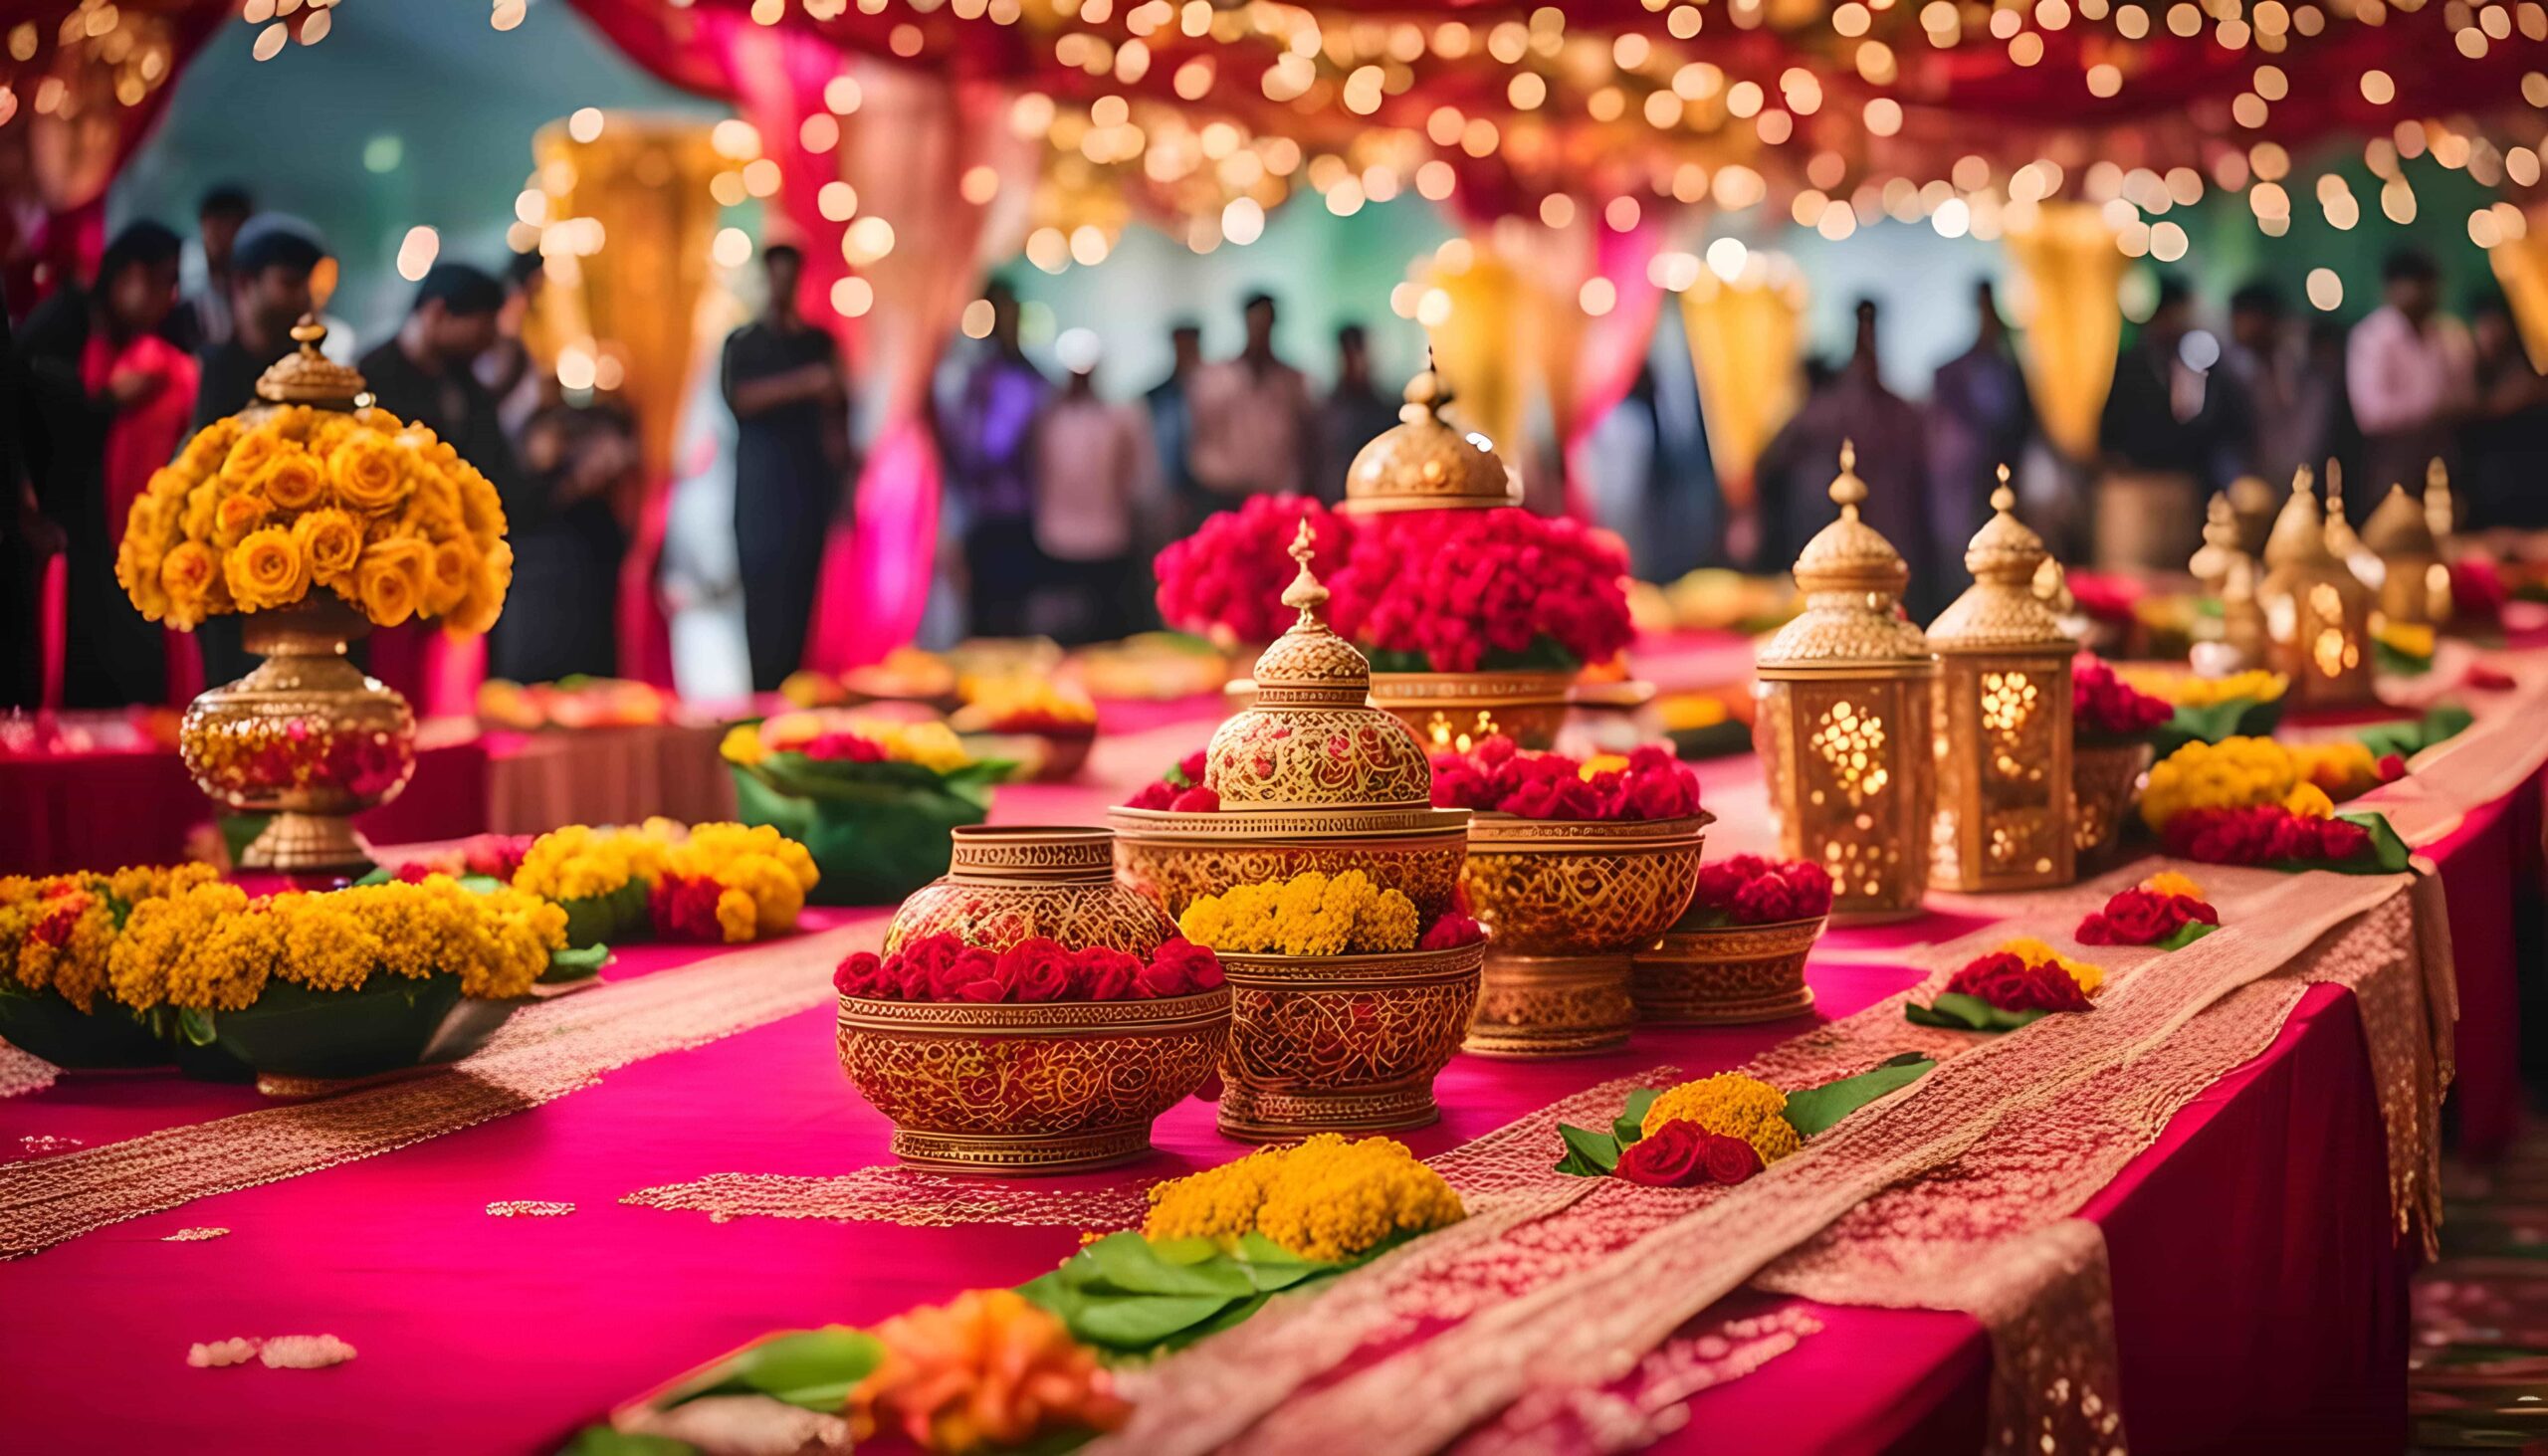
252, 518
871, 797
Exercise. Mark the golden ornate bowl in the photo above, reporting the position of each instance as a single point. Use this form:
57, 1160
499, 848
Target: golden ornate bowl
305, 737
2105, 787
1725, 975
1451, 711
1342, 1043
1005, 884
1569, 901
1173, 859
1012, 1090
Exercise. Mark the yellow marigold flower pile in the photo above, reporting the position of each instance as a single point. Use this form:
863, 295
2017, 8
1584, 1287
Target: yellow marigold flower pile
56, 931
375, 510
2035, 952
1310, 914
1325, 1198
928, 743
2169, 882
764, 875
2238, 774
211, 948
2184, 690
1729, 1104
579, 861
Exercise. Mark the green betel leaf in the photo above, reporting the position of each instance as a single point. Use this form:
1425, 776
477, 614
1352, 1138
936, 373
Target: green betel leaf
2186, 934
1256, 1248
1968, 1013
575, 963
814, 1369
1140, 1321
1588, 1154
1630, 1125
381, 876
602, 1440
195, 1025
1817, 1108
1125, 1263
2389, 854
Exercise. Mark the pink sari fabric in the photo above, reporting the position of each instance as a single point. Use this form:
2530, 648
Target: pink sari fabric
138, 441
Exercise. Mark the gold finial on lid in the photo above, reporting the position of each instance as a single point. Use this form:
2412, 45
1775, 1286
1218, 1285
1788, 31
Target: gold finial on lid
308, 377
1425, 395
1305, 595
1846, 487
2002, 610
2441, 514
2004, 499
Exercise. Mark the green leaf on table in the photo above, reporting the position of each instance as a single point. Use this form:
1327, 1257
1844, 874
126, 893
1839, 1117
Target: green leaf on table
1127, 1263
238, 831
1139, 1321
1630, 1125
2186, 935
381, 876
195, 1025
1588, 1154
1959, 1012
574, 964
602, 1440
1817, 1108
814, 1369
2397, 662
2388, 854
2439, 724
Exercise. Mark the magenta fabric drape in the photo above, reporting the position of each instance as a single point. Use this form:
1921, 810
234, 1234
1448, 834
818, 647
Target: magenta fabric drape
1613, 346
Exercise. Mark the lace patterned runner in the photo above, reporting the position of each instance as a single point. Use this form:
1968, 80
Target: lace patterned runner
2485, 762
895, 1195
543, 1053
20, 1074
1613, 1269
1651, 1403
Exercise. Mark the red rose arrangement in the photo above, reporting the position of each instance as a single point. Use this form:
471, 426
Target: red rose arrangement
1181, 789
2262, 834
1454, 592
2104, 707
1682, 1154
1452, 929
841, 747
1227, 579
2164, 910
1497, 775
2106, 598
2008, 988
2478, 591
943, 969
1748, 890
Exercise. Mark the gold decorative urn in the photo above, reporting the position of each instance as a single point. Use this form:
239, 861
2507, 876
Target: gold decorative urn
306, 738
2317, 611
2414, 582
1844, 720
2228, 573
1426, 463
2004, 819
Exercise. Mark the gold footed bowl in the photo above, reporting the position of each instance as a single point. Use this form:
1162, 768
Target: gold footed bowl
1174, 859
1005, 884
1726, 975
306, 738
2105, 787
1342, 1043
1569, 903
1017, 1090
1451, 711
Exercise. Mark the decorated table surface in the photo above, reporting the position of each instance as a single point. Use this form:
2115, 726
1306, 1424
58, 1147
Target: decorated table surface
631, 1178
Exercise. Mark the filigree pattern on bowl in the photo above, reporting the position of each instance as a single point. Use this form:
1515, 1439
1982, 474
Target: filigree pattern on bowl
1342, 1043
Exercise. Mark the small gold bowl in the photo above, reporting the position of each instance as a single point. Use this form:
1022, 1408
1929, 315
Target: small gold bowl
1175, 859
1569, 901
1342, 1043
2105, 788
1014, 1089
1726, 975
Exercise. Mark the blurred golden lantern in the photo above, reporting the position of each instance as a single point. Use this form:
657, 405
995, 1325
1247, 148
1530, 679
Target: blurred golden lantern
2415, 584
2317, 612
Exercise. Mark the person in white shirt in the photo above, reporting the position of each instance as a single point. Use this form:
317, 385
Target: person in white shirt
2411, 376
1254, 421
1096, 470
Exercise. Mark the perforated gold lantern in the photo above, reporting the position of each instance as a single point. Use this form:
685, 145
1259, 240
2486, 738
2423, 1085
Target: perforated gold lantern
1844, 722
2003, 814
2228, 572
2317, 612
2415, 584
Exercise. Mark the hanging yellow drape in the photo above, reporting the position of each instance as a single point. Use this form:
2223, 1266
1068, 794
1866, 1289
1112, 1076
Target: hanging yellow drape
1477, 350
636, 299
1746, 343
2067, 256
2521, 268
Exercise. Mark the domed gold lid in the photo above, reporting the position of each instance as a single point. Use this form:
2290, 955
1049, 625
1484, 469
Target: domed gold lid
1312, 740
307, 377
2399, 529
2000, 611
1425, 463
1852, 581
2300, 531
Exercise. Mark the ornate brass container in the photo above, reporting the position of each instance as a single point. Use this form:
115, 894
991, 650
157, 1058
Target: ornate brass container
2004, 813
305, 737
2317, 612
1426, 463
1453, 710
1007, 884
1174, 859
2414, 582
1568, 904
1342, 1043
1726, 975
2105, 786
1022, 1089
1844, 722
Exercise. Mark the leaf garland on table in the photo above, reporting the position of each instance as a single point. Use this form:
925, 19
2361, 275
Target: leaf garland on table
1129, 1296
2439, 724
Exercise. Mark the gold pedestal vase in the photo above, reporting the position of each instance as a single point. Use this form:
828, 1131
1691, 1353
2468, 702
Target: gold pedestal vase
306, 738
1726, 975
1568, 904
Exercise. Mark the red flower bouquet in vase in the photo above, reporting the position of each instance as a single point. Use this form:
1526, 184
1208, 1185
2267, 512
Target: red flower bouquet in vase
2113, 727
1227, 580
1738, 953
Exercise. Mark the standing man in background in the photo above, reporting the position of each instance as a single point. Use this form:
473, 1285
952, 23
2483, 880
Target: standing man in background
1354, 413
782, 377
204, 319
271, 262
1979, 420
1093, 476
988, 440
1172, 425
2413, 375
1255, 432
